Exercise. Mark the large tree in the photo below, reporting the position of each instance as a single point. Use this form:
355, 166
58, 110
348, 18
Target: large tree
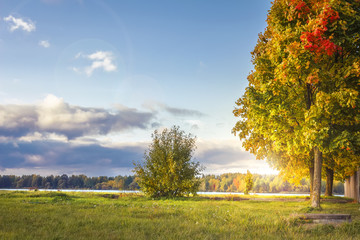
302, 102
168, 169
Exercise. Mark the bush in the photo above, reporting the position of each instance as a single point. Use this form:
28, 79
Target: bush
167, 170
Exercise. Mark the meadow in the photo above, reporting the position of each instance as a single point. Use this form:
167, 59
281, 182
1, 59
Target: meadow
59, 215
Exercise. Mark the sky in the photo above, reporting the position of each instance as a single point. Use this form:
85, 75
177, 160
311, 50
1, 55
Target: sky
84, 83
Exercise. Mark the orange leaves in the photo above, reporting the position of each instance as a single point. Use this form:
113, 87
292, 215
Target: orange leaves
328, 15
301, 8
302, 93
294, 49
317, 43
315, 39
355, 69
313, 78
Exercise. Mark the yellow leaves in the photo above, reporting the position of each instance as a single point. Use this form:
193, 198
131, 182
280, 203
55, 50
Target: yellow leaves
294, 49
356, 69
346, 97
262, 106
297, 97
294, 171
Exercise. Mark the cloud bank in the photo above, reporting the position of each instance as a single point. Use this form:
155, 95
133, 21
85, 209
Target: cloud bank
52, 157
19, 23
53, 115
95, 159
54, 137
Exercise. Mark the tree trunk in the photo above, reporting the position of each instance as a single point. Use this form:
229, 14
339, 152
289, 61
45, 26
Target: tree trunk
315, 201
352, 187
311, 170
357, 186
329, 182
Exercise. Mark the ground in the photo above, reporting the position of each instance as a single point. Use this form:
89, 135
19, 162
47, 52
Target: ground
58, 215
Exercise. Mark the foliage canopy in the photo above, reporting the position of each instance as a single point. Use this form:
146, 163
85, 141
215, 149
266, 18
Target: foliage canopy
168, 169
302, 102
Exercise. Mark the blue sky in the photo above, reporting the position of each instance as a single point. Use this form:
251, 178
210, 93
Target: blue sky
83, 84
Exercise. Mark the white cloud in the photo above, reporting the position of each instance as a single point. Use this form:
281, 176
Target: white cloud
44, 43
18, 23
100, 60
37, 136
54, 116
34, 159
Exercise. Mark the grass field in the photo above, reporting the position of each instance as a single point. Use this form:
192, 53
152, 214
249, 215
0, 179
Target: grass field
58, 215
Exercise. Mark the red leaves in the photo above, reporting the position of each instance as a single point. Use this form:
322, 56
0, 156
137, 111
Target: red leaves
315, 41
330, 14
301, 7
330, 47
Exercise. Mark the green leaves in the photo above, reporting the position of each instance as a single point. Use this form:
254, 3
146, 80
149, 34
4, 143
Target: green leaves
167, 170
304, 90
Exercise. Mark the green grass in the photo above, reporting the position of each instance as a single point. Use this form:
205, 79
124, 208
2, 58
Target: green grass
58, 215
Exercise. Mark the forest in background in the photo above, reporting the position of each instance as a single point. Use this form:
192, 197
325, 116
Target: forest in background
228, 182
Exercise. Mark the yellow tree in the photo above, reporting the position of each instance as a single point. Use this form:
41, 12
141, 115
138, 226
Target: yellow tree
303, 95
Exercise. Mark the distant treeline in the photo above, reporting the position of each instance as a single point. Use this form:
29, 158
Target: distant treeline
235, 182
228, 182
66, 182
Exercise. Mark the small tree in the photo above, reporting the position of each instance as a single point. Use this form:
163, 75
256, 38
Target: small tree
248, 182
167, 170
